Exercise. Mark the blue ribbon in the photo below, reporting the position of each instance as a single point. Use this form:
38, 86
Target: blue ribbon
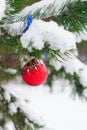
46, 56
28, 23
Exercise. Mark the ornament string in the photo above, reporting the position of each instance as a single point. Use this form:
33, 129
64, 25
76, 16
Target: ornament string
28, 23
46, 56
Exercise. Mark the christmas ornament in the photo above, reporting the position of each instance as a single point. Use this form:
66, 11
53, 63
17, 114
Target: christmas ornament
34, 73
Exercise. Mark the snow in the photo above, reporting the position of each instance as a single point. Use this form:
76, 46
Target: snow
41, 32
2, 8
22, 101
80, 36
9, 126
15, 28
57, 110
43, 5
75, 65
10, 70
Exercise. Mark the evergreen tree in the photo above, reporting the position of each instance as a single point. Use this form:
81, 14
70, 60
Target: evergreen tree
47, 30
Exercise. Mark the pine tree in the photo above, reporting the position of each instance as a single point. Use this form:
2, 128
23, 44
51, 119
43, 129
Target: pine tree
46, 30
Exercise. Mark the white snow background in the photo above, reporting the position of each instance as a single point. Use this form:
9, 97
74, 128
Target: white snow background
58, 109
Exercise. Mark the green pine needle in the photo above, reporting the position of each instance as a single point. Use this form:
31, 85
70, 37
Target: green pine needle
73, 16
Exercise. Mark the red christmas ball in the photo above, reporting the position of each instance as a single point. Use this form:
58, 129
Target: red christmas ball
34, 73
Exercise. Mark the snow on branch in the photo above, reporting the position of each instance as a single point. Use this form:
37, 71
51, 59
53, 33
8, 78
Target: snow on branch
41, 32
41, 9
2, 8
82, 35
73, 65
50, 8
17, 101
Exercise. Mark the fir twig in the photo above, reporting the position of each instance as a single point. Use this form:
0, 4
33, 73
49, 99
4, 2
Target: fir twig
19, 117
73, 16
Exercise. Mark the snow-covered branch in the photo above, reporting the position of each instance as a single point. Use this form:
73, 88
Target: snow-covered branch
41, 32
2, 8
42, 9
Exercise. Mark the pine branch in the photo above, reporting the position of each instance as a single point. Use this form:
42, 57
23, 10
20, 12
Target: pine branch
52, 54
38, 13
19, 117
77, 88
72, 15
